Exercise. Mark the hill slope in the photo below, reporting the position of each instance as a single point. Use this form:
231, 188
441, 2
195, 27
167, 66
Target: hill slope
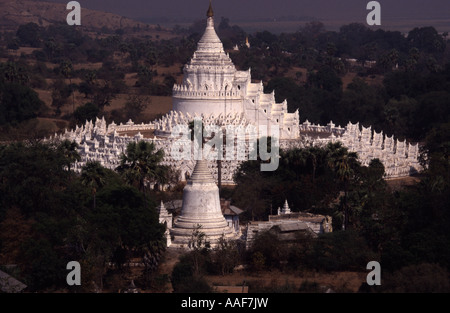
15, 13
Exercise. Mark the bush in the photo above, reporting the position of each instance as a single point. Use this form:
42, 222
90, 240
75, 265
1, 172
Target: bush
339, 251
181, 273
28, 34
309, 287
184, 280
18, 103
267, 251
418, 278
89, 111
224, 257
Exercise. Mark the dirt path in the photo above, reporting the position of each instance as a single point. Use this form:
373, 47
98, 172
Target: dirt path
168, 262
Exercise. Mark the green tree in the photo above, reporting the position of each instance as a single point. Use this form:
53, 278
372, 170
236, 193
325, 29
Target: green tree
421, 278
69, 149
93, 175
35, 189
45, 268
87, 112
267, 251
29, 34
360, 102
66, 68
433, 110
32, 177
225, 255
138, 228
12, 72
388, 60
134, 107
426, 39
253, 198
399, 115
184, 281
141, 164
344, 165
339, 251
18, 103
200, 247
60, 93
104, 92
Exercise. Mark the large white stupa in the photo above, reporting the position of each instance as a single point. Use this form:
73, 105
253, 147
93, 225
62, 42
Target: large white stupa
214, 89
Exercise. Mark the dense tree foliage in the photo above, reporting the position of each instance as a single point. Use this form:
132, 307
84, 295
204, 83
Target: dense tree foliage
405, 230
141, 164
47, 218
305, 177
18, 102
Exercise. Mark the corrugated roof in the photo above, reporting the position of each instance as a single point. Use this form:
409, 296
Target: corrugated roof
228, 209
294, 226
236, 210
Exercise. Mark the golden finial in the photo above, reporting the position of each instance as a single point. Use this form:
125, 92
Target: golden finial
210, 12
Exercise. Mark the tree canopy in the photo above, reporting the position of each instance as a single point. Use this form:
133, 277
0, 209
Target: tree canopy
47, 217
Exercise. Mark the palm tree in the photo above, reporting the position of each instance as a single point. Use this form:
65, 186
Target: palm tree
93, 175
141, 163
312, 154
66, 70
343, 163
299, 159
296, 159
70, 151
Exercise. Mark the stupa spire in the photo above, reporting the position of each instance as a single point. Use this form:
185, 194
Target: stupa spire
162, 208
210, 12
285, 209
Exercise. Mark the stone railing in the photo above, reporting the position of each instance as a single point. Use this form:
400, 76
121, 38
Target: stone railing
205, 94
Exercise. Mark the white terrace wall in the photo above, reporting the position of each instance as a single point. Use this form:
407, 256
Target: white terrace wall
104, 143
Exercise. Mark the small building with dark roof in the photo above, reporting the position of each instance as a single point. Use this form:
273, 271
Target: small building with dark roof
231, 214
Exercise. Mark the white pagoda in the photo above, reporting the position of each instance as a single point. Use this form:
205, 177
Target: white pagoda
201, 208
213, 88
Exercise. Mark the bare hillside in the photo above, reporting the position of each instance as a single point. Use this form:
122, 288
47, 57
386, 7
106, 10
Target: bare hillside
17, 12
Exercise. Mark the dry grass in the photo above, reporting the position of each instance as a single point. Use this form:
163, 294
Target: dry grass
337, 281
402, 182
